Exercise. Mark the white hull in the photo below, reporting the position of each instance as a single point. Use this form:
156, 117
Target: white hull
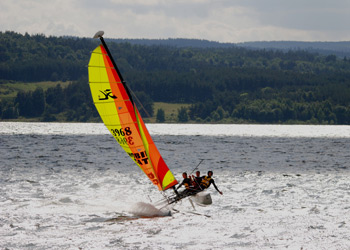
202, 199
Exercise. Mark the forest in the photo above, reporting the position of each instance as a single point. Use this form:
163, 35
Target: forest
221, 85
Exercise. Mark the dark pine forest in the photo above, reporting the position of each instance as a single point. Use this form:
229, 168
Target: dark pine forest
223, 85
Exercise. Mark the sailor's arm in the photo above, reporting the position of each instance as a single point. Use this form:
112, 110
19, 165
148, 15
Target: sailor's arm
216, 187
180, 185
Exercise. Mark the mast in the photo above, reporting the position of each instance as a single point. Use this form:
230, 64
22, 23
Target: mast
99, 35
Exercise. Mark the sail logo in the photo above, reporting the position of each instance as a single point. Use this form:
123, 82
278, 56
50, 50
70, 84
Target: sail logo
140, 158
151, 176
107, 94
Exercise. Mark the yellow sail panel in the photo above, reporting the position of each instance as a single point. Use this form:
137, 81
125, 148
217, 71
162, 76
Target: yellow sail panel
97, 71
123, 120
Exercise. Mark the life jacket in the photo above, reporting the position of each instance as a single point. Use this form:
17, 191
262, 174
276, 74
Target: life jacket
206, 181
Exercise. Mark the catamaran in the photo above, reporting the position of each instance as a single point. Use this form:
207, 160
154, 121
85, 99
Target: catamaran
119, 113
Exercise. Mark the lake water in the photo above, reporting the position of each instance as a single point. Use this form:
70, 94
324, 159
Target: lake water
284, 187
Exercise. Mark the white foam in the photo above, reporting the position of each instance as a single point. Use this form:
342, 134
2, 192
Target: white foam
142, 209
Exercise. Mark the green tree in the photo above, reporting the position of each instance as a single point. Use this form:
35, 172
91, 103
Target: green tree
55, 98
9, 112
24, 102
38, 102
182, 115
160, 115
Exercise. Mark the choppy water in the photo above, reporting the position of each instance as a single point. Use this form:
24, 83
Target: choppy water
60, 183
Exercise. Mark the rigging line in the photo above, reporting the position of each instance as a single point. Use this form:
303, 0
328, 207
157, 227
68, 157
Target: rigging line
198, 184
197, 166
139, 102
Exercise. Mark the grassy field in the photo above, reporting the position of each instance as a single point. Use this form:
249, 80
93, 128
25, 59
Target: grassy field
170, 110
10, 90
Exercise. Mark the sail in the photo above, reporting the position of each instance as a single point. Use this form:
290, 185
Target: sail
120, 115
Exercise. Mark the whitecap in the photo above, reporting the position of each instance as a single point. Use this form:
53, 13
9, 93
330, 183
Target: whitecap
142, 209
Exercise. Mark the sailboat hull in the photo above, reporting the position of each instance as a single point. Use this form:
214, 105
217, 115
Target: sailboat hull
202, 199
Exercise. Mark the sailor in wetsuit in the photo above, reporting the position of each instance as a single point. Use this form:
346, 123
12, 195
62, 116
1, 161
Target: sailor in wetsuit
197, 180
208, 180
187, 182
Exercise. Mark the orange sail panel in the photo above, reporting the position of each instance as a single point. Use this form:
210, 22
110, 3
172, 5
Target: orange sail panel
123, 120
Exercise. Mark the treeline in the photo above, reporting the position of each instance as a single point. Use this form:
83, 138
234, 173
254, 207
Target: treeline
72, 103
40, 58
221, 84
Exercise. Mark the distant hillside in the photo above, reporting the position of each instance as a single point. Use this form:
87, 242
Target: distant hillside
325, 48
340, 49
174, 42
212, 82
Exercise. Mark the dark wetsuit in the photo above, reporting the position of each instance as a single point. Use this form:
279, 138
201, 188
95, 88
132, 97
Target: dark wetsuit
207, 181
187, 182
188, 185
197, 182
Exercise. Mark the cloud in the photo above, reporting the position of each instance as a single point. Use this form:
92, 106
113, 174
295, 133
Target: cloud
48, 17
315, 15
219, 20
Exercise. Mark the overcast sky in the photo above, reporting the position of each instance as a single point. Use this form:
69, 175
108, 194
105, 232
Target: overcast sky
215, 20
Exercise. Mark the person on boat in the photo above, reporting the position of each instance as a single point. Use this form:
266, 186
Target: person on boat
197, 180
188, 183
208, 180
